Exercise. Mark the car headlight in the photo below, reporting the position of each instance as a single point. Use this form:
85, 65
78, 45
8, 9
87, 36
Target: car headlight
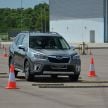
75, 57
40, 56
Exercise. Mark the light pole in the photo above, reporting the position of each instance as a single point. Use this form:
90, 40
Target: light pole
21, 15
85, 28
52, 29
41, 20
45, 17
43, 14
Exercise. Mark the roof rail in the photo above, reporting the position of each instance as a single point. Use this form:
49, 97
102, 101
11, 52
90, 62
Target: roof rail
30, 31
54, 32
24, 31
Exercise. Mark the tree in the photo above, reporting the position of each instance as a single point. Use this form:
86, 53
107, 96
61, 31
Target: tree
36, 18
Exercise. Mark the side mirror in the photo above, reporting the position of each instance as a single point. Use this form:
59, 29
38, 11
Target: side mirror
22, 47
72, 47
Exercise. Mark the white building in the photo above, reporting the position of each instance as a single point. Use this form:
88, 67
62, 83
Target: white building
79, 20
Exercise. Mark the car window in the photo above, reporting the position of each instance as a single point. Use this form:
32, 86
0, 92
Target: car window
63, 43
20, 40
48, 42
16, 39
25, 41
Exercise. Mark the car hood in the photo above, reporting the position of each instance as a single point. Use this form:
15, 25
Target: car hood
49, 52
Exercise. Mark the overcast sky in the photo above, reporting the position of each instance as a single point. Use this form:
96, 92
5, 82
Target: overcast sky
17, 3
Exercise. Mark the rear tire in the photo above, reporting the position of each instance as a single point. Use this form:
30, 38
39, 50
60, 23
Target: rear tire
28, 76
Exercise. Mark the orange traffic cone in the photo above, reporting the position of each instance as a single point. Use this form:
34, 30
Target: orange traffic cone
91, 68
0, 45
3, 46
11, 82
90, 52
5, 53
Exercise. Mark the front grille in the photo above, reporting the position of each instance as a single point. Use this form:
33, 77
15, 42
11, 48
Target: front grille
55, 60
70, 68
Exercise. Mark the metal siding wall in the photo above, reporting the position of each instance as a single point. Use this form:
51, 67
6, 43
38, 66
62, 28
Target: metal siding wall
106, 21
75, 18
68, 9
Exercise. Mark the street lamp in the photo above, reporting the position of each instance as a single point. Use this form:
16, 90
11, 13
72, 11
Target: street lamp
45, 17
41, 20
21, 15
43, 13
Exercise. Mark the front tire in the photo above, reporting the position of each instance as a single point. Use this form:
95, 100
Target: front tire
54, 76
28, 76
74, 77
15, 71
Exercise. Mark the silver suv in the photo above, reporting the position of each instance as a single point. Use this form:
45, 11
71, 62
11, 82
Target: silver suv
44, 54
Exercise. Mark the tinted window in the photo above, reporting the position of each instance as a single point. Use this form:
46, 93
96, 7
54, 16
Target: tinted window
25, 41
48, 42
20, 39
16, 39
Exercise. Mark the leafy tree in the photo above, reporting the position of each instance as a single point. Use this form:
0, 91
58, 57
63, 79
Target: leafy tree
36, 18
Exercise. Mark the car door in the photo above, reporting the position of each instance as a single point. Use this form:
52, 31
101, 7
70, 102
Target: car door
17, 51
23, 51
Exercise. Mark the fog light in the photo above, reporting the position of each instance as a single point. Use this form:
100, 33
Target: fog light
78, 68
37, 67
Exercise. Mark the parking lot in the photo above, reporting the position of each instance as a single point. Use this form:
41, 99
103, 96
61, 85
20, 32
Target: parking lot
61, 92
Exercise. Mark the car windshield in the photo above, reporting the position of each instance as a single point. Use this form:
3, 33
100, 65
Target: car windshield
48, 42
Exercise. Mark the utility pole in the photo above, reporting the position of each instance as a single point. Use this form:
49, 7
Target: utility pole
45, 18
21, 15
41, 20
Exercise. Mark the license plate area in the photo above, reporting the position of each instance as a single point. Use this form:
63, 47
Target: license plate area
58, 67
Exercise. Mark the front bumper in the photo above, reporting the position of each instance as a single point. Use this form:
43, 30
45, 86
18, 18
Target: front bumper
45, 68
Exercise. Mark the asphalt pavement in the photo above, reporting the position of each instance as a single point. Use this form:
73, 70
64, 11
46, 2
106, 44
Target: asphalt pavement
45, 92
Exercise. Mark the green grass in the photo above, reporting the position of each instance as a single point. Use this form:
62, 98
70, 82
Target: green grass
3, 36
